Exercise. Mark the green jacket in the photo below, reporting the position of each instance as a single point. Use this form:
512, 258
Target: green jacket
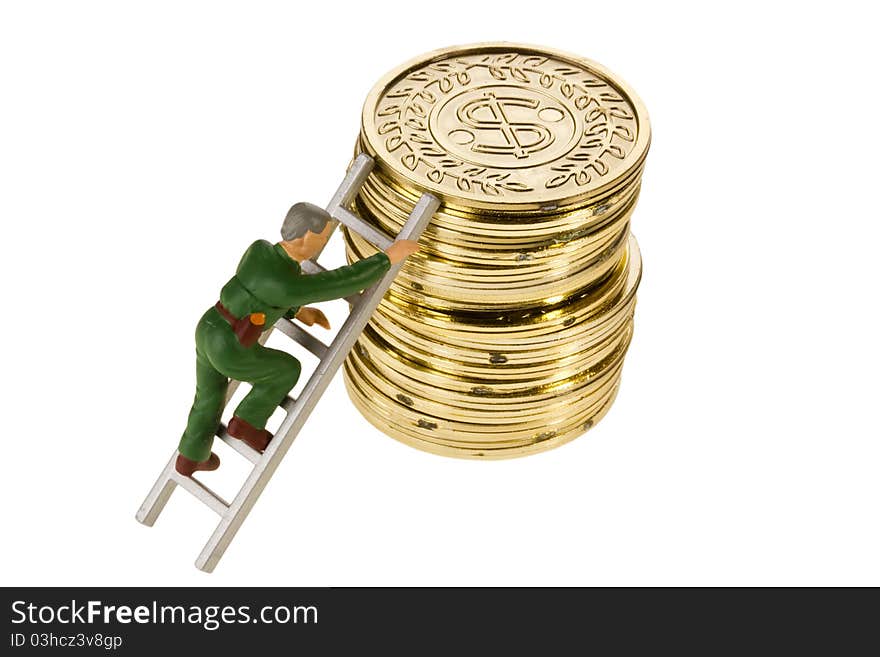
269, 281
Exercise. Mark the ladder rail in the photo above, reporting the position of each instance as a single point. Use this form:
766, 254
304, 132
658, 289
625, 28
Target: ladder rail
354, 178
232, 514
158, 496
317, 384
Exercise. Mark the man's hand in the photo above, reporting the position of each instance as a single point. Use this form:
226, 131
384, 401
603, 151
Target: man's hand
310, 316
400, 249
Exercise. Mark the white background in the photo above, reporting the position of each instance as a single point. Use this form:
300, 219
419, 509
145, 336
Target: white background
143, 147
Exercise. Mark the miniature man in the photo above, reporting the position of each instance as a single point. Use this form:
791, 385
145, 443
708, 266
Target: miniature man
268, 284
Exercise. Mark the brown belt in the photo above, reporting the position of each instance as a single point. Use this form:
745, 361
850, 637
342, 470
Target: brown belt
247, 329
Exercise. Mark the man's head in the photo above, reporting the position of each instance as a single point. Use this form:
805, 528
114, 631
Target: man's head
305, 231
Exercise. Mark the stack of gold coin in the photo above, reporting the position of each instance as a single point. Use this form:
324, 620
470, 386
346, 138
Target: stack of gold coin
505, 335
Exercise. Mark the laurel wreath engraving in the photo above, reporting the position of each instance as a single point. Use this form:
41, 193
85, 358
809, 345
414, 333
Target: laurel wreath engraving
403, 121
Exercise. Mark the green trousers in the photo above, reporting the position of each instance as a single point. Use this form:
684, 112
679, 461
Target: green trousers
220, 357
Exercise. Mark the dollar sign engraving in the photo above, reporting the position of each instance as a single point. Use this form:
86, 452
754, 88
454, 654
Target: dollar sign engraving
491, 113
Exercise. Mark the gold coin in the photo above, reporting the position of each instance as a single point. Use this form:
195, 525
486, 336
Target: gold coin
437, 421
505, 126
491, 414
445, 373
524, 327
502, 422
483, 356
485, 389
432, 281
396, 202
506, 333
419, 437
453, 423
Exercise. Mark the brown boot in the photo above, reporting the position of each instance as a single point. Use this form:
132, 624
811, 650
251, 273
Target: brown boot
258, 439
186, 466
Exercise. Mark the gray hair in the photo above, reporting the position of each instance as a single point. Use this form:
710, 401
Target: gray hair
302, 218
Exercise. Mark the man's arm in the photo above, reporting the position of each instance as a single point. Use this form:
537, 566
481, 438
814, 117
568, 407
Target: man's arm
345, 281
342, 282
298, 290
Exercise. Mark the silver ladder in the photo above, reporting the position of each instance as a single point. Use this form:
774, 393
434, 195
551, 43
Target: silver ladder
232, 514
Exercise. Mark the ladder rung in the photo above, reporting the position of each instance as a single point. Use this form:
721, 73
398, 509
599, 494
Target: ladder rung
287, 404
201, 492
239, 446
301, 336
362, 228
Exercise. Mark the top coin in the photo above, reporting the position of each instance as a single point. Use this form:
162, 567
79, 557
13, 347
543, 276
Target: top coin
505, 127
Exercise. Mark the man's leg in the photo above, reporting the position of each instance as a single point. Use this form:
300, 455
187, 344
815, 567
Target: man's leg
272, 374
204, 417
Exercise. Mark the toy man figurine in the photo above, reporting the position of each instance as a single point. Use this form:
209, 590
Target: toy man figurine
267, 285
